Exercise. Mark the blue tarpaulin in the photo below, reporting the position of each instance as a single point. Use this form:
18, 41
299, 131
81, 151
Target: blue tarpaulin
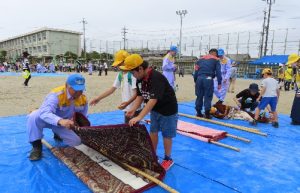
271, 60
267, 164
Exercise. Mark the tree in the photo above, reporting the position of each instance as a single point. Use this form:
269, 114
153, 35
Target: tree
94, 55
70, 55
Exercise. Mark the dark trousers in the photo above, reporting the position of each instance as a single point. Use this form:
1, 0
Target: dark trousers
105, 72
252, 105
181, 74
287, 85
100, 72
27, 80
204, 90
295, 113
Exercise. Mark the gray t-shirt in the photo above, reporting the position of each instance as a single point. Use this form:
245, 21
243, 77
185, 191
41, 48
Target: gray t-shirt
271, 86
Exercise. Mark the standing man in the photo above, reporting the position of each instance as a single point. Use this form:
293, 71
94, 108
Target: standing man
52, 67
225, 71
90, 68
26, 68
100, 68
206, 69
169, 67
154, 89
105, 68
56, 113
233, 77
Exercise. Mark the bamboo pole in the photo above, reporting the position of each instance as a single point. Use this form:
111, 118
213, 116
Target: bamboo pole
224, 145
238, 138
149, 177
250, 130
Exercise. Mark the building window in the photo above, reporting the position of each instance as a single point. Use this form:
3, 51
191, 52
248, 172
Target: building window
29, 39
39, 49
34, 50
26, 49
44, 35
30, 50
39, 37
44, 48
34, 38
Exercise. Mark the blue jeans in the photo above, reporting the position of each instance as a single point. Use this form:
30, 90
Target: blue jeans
166, 124
204, 90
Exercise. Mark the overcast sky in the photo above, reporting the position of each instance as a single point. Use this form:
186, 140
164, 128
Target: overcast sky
147, 19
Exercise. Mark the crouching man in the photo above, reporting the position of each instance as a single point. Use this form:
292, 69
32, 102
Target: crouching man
56, 113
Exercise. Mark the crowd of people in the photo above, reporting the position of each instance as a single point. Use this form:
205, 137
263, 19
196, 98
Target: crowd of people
144, 90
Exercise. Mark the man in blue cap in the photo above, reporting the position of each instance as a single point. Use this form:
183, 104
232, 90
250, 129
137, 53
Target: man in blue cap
56, 113
169, 67
226, 72
206, 69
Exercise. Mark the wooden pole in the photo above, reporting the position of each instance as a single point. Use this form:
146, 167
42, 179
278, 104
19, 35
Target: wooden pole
250, 130
149, 177
225, 146
238, 138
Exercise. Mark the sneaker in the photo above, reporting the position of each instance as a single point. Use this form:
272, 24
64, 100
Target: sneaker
35, 154
167, 164
199, 115
275, 124
57, 137
207, 115
253, 123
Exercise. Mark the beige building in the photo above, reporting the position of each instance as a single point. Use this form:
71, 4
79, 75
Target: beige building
44, 42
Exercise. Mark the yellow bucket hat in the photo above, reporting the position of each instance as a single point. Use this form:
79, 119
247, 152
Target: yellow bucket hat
120, 57
267, 71
131, 62
293, 58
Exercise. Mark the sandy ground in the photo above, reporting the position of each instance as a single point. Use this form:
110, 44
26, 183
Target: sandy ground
16, 99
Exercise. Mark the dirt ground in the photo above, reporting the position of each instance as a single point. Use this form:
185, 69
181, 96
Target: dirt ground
16, 99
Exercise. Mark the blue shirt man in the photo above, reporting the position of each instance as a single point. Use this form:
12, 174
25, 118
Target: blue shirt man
206, 69
56, 113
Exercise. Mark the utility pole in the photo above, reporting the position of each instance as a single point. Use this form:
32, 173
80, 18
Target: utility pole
272, 46
270, 3
227, 44
237, 43
124, 32
84, 22
285, 41
200, 45
263, 35
248, 43
182, 14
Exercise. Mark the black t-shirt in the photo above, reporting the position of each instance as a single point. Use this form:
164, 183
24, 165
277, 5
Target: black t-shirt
247, 98
158, 87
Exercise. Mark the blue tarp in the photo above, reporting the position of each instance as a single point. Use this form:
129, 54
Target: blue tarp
271, 60
34, 74
268, 164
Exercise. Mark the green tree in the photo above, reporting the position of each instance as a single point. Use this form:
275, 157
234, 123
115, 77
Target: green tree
70, 55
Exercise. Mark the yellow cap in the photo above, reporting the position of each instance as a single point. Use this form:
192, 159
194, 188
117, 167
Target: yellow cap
267, 71
131, 62
120, 57
293, 58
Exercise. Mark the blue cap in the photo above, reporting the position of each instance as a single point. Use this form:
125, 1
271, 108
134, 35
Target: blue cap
221, 52
173, 48
76, 81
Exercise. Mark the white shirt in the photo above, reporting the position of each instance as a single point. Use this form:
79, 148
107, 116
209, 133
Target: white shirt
271, 86
105, 65
127, 89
